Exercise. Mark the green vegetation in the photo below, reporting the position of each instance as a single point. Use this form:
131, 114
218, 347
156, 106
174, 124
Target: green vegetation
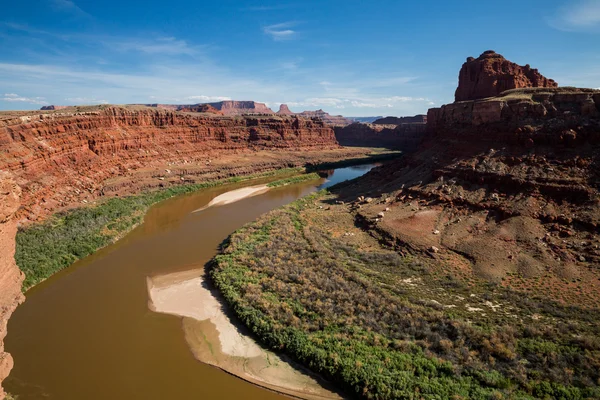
44, 249
294, 179
341, 308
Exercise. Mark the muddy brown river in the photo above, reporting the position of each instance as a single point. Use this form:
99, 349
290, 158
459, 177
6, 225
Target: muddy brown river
88, 333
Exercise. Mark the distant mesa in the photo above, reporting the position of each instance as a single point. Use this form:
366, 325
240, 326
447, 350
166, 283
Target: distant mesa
491, 74
53, 107
232, 107
200, 108
335, 120
227, 107
417, 119
284, 110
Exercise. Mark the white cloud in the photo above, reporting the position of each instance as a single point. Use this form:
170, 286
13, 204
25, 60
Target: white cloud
13, 97
68, 6
85, 100
208, 98
279, 32
580, 15
163, 46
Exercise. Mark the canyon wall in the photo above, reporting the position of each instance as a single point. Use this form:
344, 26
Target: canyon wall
491, 74
401, 120
10, 275
502, 186
59, 158
405, 137
521, 116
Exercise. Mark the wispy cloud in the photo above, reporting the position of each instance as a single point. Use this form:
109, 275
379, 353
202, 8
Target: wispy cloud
68, 6
360, 102
85, 100
164, 46
13, 97
280, 32
579, 15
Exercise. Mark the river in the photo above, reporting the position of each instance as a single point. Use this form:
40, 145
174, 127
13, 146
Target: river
88, 333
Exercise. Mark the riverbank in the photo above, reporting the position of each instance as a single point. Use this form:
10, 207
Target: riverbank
45, 248
317, 281
151, 349
215, 339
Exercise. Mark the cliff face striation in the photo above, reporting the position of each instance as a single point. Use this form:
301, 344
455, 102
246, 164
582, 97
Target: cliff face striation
60, 157
503, 186
11, 277
491, 74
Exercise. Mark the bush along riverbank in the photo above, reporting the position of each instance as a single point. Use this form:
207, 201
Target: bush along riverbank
44, 249
307, 281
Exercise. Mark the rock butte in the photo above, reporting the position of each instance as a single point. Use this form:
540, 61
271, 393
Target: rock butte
490, 74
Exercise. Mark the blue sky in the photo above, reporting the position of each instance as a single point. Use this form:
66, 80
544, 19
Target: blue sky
348, 57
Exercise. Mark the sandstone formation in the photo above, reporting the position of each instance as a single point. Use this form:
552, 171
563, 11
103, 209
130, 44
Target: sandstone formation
502, 188
200, 108
63, 158
226, 107
405, 137
231, 107
11, 277
334, 120
284, 110
417, 119
490, 74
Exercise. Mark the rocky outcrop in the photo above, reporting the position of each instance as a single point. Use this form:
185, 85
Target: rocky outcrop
520, 116
284, 110
405, 137
11, 277
417, 119
491, 74
59, 158
334, 120
502, 187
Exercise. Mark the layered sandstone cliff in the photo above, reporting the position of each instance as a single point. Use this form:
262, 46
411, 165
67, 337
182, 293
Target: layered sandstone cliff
10, 275
505, 189
231, 107
63, 158
491, 74
405, 137
334, 120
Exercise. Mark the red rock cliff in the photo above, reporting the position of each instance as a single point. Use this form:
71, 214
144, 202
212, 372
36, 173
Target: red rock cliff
58, 156
231, 107
10, 276
490, 74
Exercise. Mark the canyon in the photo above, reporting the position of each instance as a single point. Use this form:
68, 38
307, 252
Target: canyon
496, 205
60, 158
